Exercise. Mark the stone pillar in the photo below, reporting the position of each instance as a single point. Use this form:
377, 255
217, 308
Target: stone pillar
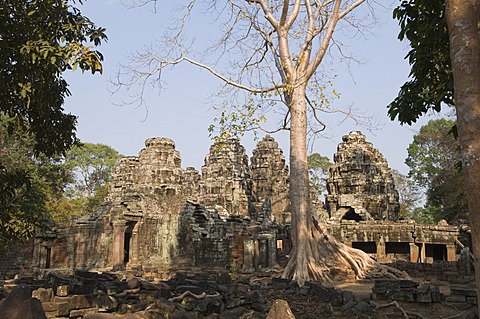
272, 252
248, 256
134, 246
36, 253
263, 252
256, 247
451, 255
381, 250
118, 245
414, 253
423, 253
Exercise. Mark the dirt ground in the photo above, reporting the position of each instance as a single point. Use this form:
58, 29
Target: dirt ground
309, 307
306, 307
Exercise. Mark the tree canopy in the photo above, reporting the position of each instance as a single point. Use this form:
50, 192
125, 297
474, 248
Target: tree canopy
93, 164
39, 40
27, 184
433, 159
423, 24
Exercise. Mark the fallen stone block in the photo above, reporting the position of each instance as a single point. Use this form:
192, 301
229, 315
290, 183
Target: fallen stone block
402, 295
164, 305
100, 316
455, 298
82, 290
43, 294
19, 304
280, 310
61, 291
463, 291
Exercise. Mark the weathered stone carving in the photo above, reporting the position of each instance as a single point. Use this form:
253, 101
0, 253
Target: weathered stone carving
225, 183
360, 184
270, 181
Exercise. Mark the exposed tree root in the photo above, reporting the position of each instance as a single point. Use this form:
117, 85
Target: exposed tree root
201, 296
320, 256
406, 314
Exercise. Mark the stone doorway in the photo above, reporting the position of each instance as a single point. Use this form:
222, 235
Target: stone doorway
434, 252
127, 244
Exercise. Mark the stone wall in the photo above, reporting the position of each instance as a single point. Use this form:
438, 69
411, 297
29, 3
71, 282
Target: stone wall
233, 242
17, 259
388, 241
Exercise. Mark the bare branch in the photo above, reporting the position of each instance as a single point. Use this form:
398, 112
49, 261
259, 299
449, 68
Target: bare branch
350, 8
325, 41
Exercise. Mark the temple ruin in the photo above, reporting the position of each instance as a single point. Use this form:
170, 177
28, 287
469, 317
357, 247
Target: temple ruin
360, 184
234, 215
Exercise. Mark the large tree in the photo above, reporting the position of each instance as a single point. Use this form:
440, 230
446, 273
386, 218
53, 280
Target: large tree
462, 20
271, 51
39, 40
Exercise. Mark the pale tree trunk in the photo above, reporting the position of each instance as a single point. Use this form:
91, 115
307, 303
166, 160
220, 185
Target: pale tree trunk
316, 255
462, 20
302, 253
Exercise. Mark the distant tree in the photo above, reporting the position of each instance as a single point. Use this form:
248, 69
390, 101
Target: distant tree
433, 158
39, 40
318, 166
408, 193
93, 165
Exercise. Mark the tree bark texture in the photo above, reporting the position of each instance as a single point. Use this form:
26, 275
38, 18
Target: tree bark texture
316, 255
462, 20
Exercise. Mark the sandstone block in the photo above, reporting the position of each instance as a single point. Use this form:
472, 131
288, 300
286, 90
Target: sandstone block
20, 305
62, 291
82, 312
43, 294
280, 310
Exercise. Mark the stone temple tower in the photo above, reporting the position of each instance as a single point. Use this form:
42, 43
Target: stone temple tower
270, 180
360, 184
225, 184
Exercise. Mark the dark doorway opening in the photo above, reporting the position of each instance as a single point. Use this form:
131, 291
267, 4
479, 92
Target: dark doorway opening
127, 241
370, 247
351, 215
436, 251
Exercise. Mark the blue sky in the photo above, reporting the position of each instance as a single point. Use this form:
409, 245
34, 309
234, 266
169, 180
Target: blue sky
182, 111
